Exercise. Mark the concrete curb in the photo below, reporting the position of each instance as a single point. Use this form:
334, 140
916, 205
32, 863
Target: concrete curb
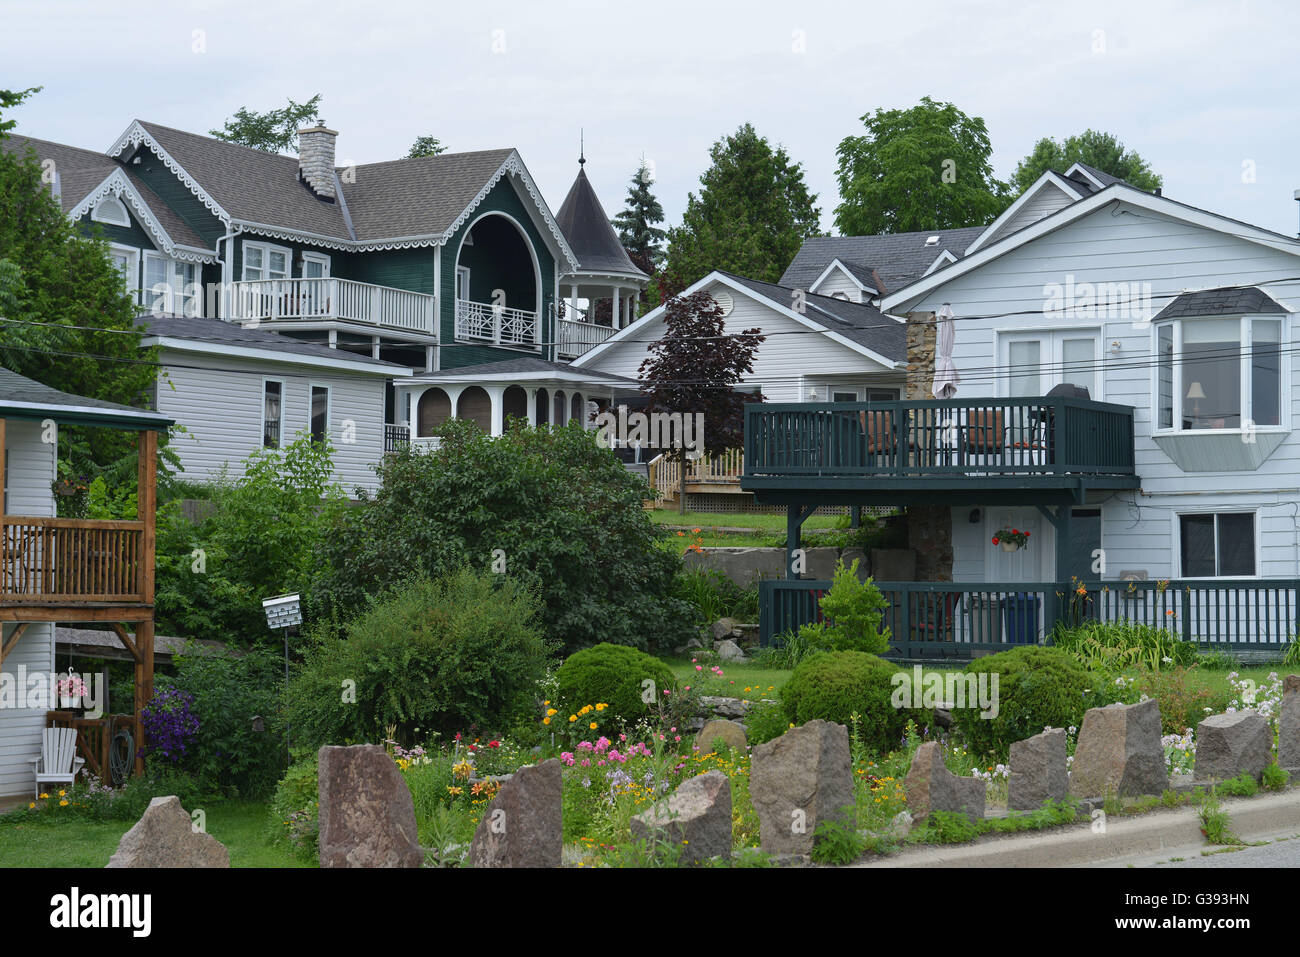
1156, 834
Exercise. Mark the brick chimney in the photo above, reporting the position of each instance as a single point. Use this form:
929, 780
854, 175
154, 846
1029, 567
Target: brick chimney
316, 159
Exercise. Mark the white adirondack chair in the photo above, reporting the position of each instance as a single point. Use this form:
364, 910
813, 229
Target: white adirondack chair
58, 763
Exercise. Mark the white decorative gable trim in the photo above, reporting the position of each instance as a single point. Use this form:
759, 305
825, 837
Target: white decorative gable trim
837, 265
514, 165
136, 134
117, 184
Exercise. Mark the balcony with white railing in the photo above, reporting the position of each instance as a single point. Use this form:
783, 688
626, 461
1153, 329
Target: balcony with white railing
300, 300
499, 325
575, 338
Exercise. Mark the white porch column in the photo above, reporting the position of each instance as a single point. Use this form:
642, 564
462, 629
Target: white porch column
614, 317
573, 303
496, 395
532, 407
374, 347
453, 393
428, 358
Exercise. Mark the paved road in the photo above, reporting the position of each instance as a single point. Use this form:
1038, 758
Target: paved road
1284, 853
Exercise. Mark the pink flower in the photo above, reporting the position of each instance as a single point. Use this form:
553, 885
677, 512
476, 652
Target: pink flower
602, 743
622, 737
678, 738
600, 764
567, 757
584, 746
615, 756
699, 667
672, 730
586, 762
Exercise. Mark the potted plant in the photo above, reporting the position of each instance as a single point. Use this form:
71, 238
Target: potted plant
1011, 539
71, 691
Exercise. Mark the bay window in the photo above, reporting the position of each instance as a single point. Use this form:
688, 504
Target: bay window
1219, 373
172, 286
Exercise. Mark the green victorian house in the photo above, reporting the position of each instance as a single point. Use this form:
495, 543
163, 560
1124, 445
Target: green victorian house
366, 302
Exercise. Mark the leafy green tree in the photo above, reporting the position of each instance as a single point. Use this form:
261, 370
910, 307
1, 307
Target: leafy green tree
257, 540
1101, 151
69, 322
751, 216
275, 131
425, 146
637, 223
549, 506
926, 167
10, 99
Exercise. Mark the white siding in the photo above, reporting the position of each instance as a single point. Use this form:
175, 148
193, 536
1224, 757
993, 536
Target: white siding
1048, 200
1130, 245
790, 354
31, 473
220, 405
837, 282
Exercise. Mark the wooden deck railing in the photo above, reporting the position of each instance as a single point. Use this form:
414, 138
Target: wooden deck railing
970, 437
724, 469
70, 560
954, 619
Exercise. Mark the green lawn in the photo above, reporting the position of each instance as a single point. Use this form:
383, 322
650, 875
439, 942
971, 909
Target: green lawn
46, 841
769, 523
735, 679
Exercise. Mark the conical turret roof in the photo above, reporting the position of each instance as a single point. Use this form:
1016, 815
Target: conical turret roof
592, 239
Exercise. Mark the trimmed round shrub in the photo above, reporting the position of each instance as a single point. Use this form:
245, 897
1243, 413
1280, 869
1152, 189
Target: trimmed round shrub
1038, 687
613, 675
453, 654
834, 685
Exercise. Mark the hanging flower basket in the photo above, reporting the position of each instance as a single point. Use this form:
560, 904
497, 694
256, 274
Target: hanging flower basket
71, 691
1011, 539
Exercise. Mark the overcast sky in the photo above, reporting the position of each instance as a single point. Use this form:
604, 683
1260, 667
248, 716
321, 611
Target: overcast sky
1206, 92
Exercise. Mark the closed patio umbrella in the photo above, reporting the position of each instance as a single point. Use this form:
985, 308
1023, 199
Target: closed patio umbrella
945, 373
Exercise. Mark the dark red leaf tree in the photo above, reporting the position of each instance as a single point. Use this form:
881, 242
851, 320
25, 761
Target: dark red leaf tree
694, 369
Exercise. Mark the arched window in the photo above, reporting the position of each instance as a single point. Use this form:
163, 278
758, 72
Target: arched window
475, 404
575, 410
110, 210
514, 403
543, 407
558, 416
433, 410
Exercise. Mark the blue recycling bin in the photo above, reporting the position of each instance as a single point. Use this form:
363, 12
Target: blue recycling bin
1020, 616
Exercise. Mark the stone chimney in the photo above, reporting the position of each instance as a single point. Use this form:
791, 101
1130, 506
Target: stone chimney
316, 159
929, 527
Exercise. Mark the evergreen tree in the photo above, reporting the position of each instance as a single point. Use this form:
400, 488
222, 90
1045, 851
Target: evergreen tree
751, 216
637, 223
425, 146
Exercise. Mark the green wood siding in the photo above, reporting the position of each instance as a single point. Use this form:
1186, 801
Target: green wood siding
177, 196
134, 235
400, 268
503, 198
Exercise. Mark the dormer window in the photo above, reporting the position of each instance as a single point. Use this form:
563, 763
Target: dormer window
112, 211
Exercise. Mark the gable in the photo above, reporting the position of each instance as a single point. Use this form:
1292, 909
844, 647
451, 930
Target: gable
1041, 203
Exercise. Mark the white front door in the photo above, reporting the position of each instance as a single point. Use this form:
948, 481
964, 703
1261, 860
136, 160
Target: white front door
1024, 564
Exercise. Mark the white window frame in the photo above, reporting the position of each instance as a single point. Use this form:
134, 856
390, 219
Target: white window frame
856, 393
284, 394
462, 271
1246, 398
1215, 510
97, 215
132, 279
1051, 357
178, 301
329, 406
314, 257
266, 249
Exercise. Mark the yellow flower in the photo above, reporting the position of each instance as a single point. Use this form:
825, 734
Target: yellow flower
592, 726
573, 717
546, 721
601, 706
32, 805
63, 794
453, 790
44, 795
551, 711
63, 803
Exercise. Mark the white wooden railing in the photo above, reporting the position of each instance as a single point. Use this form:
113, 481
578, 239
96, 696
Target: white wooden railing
489, 323
575, 338
272, 299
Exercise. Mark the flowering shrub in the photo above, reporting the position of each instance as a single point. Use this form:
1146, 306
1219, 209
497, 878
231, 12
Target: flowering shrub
169, 724
1265, 699
1180, 751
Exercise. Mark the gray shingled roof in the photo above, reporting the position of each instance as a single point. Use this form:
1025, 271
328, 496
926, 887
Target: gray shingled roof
221, 332
591, 237
864, 324
896, 258
80, 171
1225, 301
26, 398
1105, 178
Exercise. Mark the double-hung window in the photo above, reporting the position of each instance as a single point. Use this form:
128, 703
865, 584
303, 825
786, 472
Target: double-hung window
264, 261
172, 286
1216, 544
1219, 373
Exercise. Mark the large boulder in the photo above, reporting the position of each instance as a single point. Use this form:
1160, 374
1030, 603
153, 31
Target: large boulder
1038, 771
728, 650
523, 826
367, 818
930, 786
165, 837
1288, 725
1119, 752
1231, 744
729, 731
696, 818
799, 780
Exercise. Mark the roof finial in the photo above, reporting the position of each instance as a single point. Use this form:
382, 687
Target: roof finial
582, 152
